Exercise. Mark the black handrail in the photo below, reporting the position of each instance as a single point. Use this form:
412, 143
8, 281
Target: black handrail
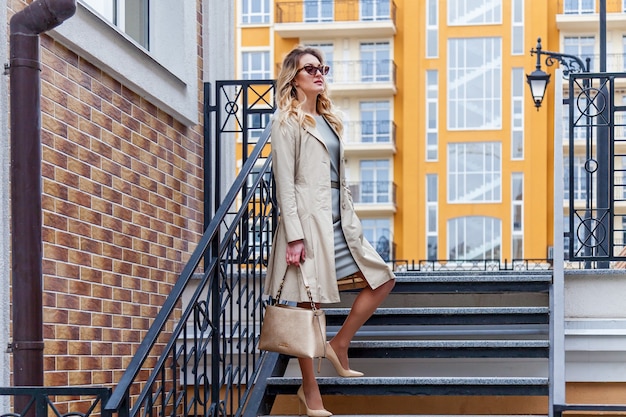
120, 396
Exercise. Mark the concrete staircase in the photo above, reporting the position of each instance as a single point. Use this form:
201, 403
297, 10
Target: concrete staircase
446, 343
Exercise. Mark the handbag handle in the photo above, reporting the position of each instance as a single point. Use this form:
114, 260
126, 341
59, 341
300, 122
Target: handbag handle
306, 285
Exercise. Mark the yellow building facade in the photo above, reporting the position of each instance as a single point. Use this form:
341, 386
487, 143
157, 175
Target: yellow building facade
447, 156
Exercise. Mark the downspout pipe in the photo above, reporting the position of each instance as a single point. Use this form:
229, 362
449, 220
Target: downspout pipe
26, 218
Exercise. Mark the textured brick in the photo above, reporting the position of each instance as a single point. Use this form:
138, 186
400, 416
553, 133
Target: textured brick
122, 193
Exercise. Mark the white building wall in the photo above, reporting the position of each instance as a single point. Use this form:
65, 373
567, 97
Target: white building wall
595, 326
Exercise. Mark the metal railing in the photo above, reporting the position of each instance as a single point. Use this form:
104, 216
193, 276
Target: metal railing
367, 132
314, 11
204, 360
596, 228
382, 71
41, 401
587, 7
373, 192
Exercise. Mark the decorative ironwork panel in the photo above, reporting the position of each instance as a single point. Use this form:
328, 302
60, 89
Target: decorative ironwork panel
53, 401
208, 362
596, 169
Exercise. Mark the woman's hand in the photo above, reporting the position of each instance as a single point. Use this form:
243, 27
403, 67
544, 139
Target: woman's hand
295, 252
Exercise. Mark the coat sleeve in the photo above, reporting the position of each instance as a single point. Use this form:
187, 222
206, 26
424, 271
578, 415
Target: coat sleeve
284, 137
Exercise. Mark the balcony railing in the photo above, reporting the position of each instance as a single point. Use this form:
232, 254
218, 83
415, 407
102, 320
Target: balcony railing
373, 192
590, 6
363, 71
370, 132
614, 62
315, 11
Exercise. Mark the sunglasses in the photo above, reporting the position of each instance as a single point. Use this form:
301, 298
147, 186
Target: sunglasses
312, 69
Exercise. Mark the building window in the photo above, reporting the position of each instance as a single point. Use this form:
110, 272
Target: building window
474, 237
580, 177
375, 10
474, 83
432, 217
377, 232
517, 215
257, 122
432, 28
327, 50
375, 122
580, 127
432, 115
517, 27
474, 12
153, 60
474, 172
582, 47
255, 65
579, 6
375, 184
255, 11
572, 236
316, 11
131, 16
376, 62
517, 113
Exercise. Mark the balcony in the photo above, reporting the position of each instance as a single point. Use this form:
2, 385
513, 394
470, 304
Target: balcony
339, 18
577, 15
368, 138
365, 78
373, 197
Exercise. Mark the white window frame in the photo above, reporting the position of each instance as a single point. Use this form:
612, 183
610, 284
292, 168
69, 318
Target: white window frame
319, 15
579, 6
517, 211
381, 10
249, 73
458, 233
432, 214
517, 114
167, 75
582, 46
375, 107
432, 29
377, 168
432, 114
468, 12
381, 70
460, 172
466, 74
376, 228
263, 16
517, 27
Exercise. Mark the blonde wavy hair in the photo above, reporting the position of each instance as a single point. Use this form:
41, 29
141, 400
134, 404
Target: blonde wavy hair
288, 101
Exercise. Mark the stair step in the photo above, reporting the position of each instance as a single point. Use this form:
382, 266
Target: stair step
449, 348
416, 385
472, 282
447, 315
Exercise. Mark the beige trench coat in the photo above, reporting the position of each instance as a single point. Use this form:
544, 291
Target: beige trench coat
301, 165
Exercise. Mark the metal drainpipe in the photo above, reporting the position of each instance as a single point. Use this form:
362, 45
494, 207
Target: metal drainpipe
26, 265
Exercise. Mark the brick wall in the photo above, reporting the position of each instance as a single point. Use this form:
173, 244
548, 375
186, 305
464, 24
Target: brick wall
122, 210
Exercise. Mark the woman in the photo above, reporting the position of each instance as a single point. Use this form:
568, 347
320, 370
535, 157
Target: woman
318, 229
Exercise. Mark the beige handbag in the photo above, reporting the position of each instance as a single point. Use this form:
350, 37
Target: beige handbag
295, 331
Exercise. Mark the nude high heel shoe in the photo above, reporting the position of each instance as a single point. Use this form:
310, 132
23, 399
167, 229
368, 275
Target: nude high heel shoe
332, 357
311, 413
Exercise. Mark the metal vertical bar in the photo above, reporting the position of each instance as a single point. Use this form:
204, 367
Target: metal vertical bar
557, 312
208, 109
602, 27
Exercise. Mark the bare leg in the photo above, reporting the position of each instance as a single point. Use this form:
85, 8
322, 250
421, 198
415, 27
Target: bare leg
362, 309
309, 384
